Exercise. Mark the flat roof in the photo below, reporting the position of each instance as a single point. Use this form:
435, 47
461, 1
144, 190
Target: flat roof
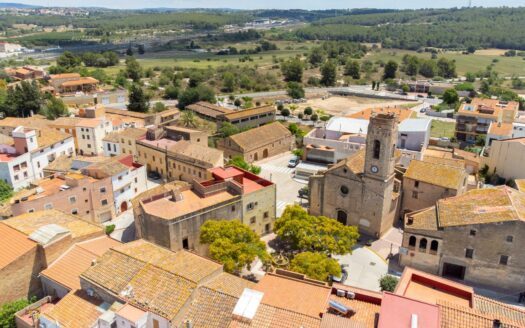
398, 312
347, 125
163, 143
415, 125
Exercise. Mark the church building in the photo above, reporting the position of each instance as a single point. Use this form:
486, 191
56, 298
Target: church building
362, 190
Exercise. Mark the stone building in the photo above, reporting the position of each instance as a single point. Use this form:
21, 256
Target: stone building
362, 190
258, 143
426, 182
30, 242
189, 161
248, 118
476, 237
172, 217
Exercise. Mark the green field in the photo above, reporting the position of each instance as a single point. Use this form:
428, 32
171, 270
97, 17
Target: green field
442, 129
506, 66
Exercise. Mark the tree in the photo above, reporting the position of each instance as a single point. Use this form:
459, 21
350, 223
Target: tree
450, 97
316, 56
241, 163
428, 68
388, 283
353, 69
233, 244
6, 191
23, 100
68, 60
309, 233
228, 82
133, 69
8, 310
308, 111
188, 119
315, 265
446, 68
138, 100
159, 107
328, 73
412, 66
298, 152
295, 90
292, 70
193, 95
227, 129
171, 92
390, 70
140, 49
129, 51
314, 117
285, 112
471, 49
55, 108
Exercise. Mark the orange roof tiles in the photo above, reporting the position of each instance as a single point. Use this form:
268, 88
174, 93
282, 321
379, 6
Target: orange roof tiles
75, 310
401, 113
294, 295
248, 112
81, 81
13, 244
64, 76
501, 129
445, 176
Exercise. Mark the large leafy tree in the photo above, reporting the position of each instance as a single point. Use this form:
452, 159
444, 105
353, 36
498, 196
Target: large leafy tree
6, 191
133, 69
295, 90
390, 70
241, 163
450, 97
233, 244
309, 233
138, 100
54, 108
292, 70
23, 100
188, 119
68, 60
315, 265
353, 69
329, 73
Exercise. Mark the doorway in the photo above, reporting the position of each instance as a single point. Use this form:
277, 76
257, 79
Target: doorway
342, 216
185, 243
123, 207
265, 153
453, 271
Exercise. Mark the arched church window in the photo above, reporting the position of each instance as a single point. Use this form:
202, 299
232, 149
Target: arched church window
377, 149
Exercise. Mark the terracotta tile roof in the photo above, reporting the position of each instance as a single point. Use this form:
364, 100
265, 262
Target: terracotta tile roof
27, 223
207, 109
454, 316
75, 310
261, 136
189, 151
444, 161
64, 76
275, 317
355, 163
446, 176
34, 122
482, 206
333, 321
501, 129
229, 284
489, 108
112, 137
401, 113
133, 133
66, 269
13, 244
158, 190
248, 112
520, 184
294, 295
422, 220
48, 137
80, 81
183, 263
110, 167
365, 312
499, 310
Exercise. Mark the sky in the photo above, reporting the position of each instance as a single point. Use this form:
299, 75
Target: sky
272, 4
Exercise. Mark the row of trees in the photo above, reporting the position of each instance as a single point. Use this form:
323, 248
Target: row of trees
429, 68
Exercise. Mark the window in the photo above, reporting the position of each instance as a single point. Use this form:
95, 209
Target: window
415, 194
103, 190
252, 220
185, 243
344, 190
469, 253
412, 241
38, 164
136, 180
434, 245
472, 232
250, 206
423, 244
266, 215
16, 177
509, 239
74, 211
416, 184
72, 199
25, 174
267, 228
377, 149
89, 145
503, 259
109, 147
48, 206
233, 208
104, 202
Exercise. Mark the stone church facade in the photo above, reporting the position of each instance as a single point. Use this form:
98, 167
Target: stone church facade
362, 190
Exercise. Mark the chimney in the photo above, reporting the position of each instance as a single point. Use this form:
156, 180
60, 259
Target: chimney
25, 140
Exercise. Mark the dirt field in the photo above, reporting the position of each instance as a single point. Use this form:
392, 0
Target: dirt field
342, 106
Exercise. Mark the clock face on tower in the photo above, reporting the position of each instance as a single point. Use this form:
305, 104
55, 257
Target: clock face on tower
374, 169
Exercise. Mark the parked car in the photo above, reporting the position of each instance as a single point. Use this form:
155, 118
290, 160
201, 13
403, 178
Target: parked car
294, 161
420, 96
303, 193
344, 275
423, 110
153, 175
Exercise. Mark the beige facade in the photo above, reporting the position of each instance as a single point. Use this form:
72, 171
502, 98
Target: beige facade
172, 217
506, 159
189, 161
72, 193
258, 143
362, 189
475, 237
248, 118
